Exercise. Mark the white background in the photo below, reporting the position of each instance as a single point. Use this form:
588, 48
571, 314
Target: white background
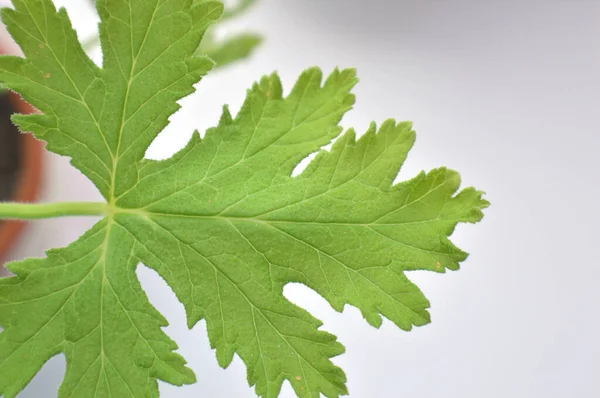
506, 92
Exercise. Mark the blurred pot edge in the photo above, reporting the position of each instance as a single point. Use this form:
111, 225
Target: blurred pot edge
30, 175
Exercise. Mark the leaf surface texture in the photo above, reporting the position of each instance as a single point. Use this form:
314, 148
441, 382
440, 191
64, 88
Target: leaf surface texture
223, 221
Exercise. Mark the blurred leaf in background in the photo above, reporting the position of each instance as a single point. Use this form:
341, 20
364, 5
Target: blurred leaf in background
230, 49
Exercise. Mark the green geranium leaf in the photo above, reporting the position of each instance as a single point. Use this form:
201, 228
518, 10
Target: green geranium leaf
223, 221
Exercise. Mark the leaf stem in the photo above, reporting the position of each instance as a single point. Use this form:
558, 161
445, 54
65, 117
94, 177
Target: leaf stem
32, 211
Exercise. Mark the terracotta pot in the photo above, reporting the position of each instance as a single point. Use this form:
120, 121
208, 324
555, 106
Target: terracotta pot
29, 179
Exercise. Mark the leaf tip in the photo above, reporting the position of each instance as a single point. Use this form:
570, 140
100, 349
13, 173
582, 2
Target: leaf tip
226, 117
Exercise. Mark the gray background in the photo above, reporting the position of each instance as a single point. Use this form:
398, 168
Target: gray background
506, 92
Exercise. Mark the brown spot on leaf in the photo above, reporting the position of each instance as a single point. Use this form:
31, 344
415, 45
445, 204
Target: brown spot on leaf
298, 378
438, 265
48, 75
